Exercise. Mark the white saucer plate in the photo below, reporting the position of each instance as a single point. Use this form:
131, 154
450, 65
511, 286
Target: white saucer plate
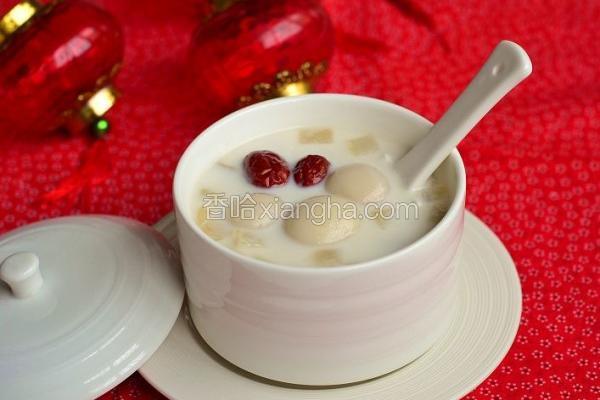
487, 314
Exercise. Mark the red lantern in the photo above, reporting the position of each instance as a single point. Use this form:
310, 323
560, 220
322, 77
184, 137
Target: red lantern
56, 62
258, 49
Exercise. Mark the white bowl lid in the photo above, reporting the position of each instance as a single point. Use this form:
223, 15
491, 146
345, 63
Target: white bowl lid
87, 301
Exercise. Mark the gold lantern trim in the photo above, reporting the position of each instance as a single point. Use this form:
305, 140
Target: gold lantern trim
285, 83
19, 17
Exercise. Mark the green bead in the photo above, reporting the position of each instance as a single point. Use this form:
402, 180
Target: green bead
101, 127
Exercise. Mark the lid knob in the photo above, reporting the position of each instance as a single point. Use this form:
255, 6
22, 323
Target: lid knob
21, 271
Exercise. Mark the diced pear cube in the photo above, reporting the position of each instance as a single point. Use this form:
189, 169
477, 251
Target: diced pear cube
363, 145
244, 240
316, 136
253, 211
201, 216
215, 230
263, 258
327, 258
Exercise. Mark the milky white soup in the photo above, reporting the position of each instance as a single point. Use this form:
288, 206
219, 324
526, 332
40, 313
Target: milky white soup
361, 178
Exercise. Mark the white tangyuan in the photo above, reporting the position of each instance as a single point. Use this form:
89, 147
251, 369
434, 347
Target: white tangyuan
358, 182
322, 220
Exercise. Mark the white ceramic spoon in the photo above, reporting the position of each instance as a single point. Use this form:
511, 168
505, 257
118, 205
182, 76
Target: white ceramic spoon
505, 68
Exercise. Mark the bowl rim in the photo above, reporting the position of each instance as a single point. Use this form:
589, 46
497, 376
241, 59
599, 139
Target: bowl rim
456, 206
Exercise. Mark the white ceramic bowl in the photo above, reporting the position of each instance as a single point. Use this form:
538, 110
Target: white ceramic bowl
317, 326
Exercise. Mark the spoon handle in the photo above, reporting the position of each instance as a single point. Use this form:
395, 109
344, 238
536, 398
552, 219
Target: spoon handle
505, 68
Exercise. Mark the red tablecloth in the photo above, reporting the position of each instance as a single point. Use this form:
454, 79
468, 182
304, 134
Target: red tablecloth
533, 163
